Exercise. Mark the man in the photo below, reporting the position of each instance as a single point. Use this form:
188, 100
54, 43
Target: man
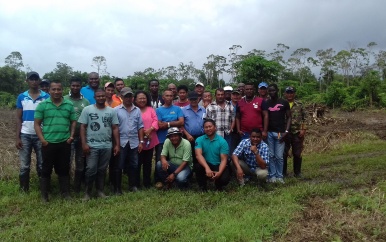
119, 84
206, 99
26, 138
55, 123
98, 129
241, 87
110, 92
199, 88
251, 157
79, 103
193, 121
221, 111
249, 113
235, 98
176, 160
156, 99
279, 121
212, 154
93, 84
295, 138
183, 100
263, 91
45, 85
228, 93
172, 87
168, 115
131, 137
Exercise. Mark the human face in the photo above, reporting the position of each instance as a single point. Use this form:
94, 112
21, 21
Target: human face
141, 100
75, 87
182, 94
175, 139
93, 80
33, 82
168, 97
235, 97
109, 92
193, 102
249, 91
56, 91
241, 88
207, 97
128, 99
227, 95
119, 85
263, 91
154, 87
100, 98
199, 89
272, 92
173, 88
290, 96
220, 96
255, 138
209, 129
45, 88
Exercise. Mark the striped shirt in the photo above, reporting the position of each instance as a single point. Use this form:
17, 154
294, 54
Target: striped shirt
28, 105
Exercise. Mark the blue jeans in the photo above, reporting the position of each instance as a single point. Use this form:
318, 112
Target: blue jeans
97, 162
276, 150
129, 159
30, 141
182, 176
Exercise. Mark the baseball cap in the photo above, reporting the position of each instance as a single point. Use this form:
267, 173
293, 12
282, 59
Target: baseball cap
109, 84
236, 91
290, 89
228, 88
192, 95
44, 82
125, 91
240, 84
200, 84
32, 73
173, 130
263, 84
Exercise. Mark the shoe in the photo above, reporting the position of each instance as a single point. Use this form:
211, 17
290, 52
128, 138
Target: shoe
24, 183
44, 187
298, 175
87, 194
134, 189
280, 180
159, 185
271, 180
64, 184
241, 182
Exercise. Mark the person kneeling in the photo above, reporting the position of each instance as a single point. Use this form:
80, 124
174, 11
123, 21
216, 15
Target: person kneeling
255, 156
178, 167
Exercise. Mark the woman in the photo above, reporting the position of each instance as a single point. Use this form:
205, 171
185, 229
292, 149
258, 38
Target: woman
150, 123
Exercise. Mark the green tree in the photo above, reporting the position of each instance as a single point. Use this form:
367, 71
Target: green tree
14, 60
62, 73
370, 86
12, 80
99, 63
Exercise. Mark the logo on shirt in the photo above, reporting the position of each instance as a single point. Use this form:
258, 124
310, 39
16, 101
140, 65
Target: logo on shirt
255, 105
172, 112
276, 108
94, 126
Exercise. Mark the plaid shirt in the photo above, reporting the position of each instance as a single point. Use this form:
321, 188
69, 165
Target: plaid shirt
222, 116
243, 151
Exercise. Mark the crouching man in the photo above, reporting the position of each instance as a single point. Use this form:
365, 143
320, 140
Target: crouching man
178, 167
254, 155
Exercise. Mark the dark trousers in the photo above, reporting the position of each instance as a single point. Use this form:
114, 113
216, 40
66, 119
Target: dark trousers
145, 161
201, 177
56, 156
294, 141
158, 150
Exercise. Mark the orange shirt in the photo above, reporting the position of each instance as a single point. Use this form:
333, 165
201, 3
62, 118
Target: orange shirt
117, 98
113, 104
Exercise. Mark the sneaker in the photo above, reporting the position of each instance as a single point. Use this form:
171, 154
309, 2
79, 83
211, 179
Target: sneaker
241, 182
280, 180
271, 180
159, 185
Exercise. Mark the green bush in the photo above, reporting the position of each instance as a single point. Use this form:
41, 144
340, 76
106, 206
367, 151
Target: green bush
7, 100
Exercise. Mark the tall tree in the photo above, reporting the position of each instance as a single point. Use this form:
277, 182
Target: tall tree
214, 68
99, 63
326, 60
233, 58
14, 60
62, 73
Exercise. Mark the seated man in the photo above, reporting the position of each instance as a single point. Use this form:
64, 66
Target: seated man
212, 154
255, 155
178, 167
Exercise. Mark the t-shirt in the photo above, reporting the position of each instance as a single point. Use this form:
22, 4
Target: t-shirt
99, 126
276, 114
88, 93
180, 104
251, 115
79, 105
177, 155
167, 114
212, 149
56, 120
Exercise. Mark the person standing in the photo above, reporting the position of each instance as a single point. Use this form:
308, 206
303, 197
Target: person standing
93, 84
79, 103
206, 100
26, 138
45, 85
199, 88
263, 91
132, 140
235, 98
295, 137
183, 100
155, 98
241, 88
98, 129
119, 84
109, 89
55, 123
279, 121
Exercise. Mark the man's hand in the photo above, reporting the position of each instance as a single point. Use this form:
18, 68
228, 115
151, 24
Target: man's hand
216, 175
86, 149
140, 147
147, 132
254, 149
241, 133
18, 144
116, 150
264, 135
209, 173
282, 138
240, 174
44, 143
170, 178
190, 138
165, 166
69, 140
302, 133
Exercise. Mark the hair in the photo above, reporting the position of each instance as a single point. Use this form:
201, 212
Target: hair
274, 86
182, 87
153, 80
210, 121
249, 84
148, 102
99, 90
117, 80
256, 130
218, 90
56, 82
75, 79
93, 73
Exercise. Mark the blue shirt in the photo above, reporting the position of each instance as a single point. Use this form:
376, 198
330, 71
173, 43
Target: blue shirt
88, 93
193, 121
243, 151
167, 114
130, 122
212, 149
28, 106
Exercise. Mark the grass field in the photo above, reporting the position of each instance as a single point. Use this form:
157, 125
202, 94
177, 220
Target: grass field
340, 198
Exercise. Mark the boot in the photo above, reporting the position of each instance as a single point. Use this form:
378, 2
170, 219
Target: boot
87, 194
64, 184
298, 166
44, 187
24, 182
100, 185
118, 183
78, 181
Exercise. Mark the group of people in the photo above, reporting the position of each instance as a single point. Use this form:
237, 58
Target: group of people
115, 129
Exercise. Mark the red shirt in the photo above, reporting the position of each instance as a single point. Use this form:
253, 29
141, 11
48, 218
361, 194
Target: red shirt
179, 104
250, 113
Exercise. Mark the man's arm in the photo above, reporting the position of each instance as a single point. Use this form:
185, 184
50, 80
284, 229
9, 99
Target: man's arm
140, 137
266, 120
173, 176
19, 117
288, 125
117, 144
72, 132
85, 147
221, 168
200, 158
239, 171
179, 123
39, 131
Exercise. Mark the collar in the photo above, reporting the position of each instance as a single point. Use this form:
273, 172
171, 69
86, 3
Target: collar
214, 138
123, 107
189, 107
81, 96
41, 94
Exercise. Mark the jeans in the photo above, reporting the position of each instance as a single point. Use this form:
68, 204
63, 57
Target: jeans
276, 150
30, 141
57, 156
182, 176
129, 159
97, 162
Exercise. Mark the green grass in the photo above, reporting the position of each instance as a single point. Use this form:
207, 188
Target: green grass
350, 178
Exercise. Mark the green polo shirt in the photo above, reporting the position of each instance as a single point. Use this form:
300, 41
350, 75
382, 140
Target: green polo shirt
56, 119
212, 149
79, 104
178, 155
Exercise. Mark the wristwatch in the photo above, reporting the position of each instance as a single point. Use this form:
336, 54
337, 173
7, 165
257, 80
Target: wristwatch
142, 141
168, 124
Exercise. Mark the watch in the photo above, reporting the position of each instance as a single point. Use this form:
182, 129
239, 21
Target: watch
142, 141
168, 124
286, 131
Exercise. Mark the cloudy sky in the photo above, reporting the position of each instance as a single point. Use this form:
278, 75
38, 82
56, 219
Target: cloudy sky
136, 34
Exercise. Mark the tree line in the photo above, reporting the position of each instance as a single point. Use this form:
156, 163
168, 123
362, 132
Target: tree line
351, 78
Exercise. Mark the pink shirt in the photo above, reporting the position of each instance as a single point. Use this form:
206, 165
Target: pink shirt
149, 118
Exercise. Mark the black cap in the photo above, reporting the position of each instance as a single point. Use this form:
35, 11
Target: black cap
290, 89
192, 95
32, 73
44, 82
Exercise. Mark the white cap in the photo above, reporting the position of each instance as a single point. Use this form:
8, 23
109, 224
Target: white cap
228, 88
200, 84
